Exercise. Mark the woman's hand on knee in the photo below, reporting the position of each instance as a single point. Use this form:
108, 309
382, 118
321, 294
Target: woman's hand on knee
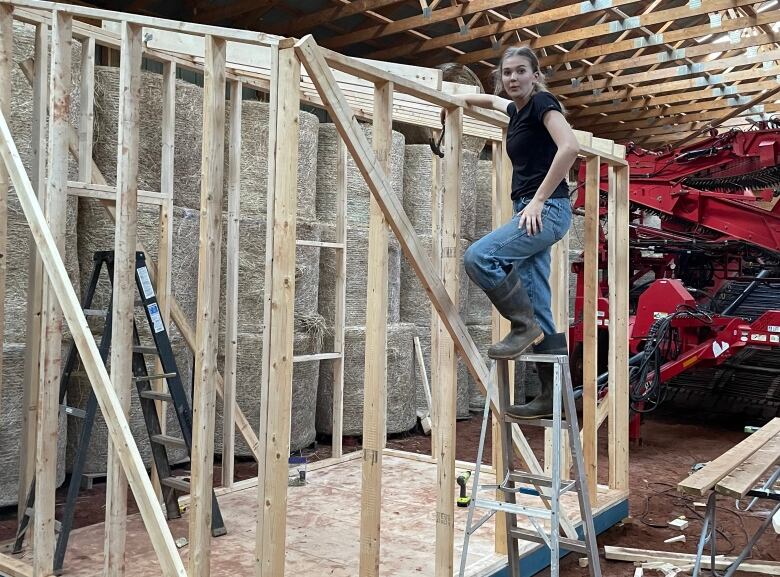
531, 217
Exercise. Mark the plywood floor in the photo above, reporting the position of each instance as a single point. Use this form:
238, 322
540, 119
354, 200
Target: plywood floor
323, 535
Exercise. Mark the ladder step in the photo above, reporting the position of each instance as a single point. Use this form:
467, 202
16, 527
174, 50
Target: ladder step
179, 483
30, 513
540, 480
548, 423
74, 411
169, 441
95, 312
154, 377
156, 396
565, 543
514, 508
145, 350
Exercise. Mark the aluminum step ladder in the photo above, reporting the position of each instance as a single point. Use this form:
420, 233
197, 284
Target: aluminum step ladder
516, 481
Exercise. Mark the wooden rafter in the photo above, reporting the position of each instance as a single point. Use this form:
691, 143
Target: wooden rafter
620, 130
675, 85
444, 14
704, 49
669, 72
632, 44
588, 32
737, 111
677, 98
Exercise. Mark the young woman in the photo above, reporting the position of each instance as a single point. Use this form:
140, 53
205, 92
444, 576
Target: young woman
512, 263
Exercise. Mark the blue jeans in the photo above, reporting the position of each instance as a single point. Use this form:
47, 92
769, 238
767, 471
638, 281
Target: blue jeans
490, 259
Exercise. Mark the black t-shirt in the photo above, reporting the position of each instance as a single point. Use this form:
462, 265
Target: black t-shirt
530, 146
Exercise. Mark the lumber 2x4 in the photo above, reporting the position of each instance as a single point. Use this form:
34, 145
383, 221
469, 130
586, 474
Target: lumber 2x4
375, 395
55, 208
279, 302
447, 361
708, 476
124, 288
207, 328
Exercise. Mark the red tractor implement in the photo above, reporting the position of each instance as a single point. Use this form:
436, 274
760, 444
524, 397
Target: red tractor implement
705, 275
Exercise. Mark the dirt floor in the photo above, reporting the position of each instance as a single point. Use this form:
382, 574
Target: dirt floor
671, 446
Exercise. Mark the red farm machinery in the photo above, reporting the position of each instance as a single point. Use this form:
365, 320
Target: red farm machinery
705, 276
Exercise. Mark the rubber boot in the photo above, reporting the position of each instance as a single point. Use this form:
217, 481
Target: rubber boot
542, 405
511, 300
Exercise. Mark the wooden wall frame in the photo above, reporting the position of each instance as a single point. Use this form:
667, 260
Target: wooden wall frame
287, 87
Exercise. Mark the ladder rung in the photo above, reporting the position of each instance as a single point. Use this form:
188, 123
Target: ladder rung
540, 358
534, 422
74, 412
514, 508
169, 441
145, 350
565, 543
178, 483
316, 357
154, 377
30, 513
541, 480
319, 243
156, 396
95, 312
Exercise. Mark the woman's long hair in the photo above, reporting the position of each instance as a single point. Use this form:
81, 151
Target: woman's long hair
539, 85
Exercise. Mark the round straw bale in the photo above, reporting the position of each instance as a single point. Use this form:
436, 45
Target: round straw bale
483, 207
468, 194
418, 189
19, 240
461, 74
11, 429
254, 161
358, 193
415, 303
20, 243
248, 385
421, 405
483, 338
188, 144
479, 309
357, 275
96, 233
251, 275
401, 415
418, 186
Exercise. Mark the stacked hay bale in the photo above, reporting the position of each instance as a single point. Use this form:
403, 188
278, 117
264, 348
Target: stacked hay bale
18, 258
97, 233
400, 392
415, 304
